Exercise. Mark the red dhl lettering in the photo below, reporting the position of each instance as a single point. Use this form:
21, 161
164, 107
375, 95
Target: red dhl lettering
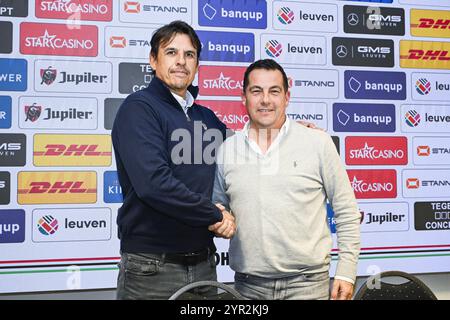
72, 150
435, 24
417, 54
56, 187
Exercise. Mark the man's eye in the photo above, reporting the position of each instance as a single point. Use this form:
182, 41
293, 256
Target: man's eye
190, 54
170, 53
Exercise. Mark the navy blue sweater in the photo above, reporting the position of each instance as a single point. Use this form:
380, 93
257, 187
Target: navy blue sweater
167, 207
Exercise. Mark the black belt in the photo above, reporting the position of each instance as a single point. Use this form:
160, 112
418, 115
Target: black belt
187, 259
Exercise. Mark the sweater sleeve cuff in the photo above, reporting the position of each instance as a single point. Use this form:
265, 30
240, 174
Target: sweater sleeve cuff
345, 279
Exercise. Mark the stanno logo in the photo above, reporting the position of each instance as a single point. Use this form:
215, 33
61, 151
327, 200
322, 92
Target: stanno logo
274, 48
117, 42
285, 15
132, 7
47, 225
412, 118
423, 151
423, 86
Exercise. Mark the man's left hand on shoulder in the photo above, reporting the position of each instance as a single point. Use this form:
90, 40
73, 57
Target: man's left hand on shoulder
342, 290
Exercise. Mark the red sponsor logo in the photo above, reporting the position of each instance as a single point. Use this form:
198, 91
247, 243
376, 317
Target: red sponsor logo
93, 10
220, 80
423, 151
412, 183
376, 151
72, 150
132, 7
56, 187
371, 184
117, 42
232, 113
417, 54
58, 39
427, 23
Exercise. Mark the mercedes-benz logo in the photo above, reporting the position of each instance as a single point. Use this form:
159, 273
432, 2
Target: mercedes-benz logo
353, 19
341, 51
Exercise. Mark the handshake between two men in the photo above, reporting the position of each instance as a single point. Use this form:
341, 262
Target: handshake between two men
225, 228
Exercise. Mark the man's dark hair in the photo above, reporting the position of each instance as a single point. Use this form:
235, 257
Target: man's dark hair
166, 33
267, 64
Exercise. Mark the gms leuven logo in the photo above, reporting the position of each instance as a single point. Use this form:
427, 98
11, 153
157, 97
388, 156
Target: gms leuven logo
47, 225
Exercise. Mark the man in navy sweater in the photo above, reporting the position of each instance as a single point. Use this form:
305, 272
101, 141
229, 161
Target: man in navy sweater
165, 145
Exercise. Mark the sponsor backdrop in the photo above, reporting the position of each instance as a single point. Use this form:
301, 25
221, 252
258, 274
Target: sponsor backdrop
374, 74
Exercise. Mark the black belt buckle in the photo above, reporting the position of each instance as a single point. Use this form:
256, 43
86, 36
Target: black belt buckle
192, 259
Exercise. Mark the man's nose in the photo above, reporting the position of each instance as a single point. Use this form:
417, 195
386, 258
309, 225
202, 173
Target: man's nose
265, 98
181, 59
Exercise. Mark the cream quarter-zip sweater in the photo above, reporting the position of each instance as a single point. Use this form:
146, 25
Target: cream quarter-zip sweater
279, 201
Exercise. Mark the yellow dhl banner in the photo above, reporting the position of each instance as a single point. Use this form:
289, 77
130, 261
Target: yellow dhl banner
57, 187
424, 54
82, 150
430, 23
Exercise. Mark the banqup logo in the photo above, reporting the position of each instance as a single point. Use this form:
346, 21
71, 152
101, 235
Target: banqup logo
47, 225
371, 184
12, 226
13, 74
305, 16
5, 112
74, 224
56, 187
375, 85
430, 86
232, 113
355, 117
426, 118
374, 20
72, 76
74, 9
112, 192
58, 39
227, 46
376, 150
250, 14
294, 49
219, 81
73, 150
363, 52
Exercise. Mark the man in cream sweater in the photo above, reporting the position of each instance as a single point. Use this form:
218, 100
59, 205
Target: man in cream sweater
276, 176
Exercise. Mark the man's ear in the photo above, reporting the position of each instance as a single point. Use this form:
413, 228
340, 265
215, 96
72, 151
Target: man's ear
152, 61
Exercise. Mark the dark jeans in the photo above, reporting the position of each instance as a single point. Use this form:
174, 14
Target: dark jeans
148, 276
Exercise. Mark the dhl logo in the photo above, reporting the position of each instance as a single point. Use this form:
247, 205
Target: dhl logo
424, 54
430, 23
72, 150
57, 187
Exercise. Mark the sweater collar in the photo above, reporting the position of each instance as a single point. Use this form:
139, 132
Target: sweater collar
160, 88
